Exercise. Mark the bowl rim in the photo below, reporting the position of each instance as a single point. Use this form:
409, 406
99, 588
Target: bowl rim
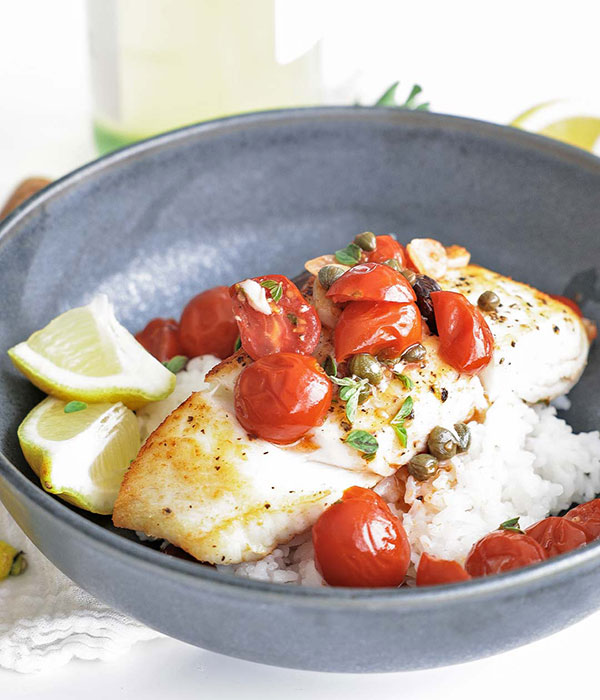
189, 572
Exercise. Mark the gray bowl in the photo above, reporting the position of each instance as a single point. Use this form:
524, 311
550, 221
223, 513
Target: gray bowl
155, 223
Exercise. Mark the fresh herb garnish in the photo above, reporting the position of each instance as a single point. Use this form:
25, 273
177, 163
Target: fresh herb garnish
362, 441
74, 406
350, 393
293, 319
350, 255
512, 525
330, 366
176, 363
238, 344
406, 380
388, 99
397, 421
276, 289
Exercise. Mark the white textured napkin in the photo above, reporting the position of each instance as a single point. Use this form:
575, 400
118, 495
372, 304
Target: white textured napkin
46, 620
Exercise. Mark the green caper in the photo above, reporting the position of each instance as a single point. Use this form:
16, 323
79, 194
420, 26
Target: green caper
366, 241
442, 443
415, 353
410, 275
488, 301
329, 274
366, 367
19, 565
464, 436
394, 264
363, 393
422, 467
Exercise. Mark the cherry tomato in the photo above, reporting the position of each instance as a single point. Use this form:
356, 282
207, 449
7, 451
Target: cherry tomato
292, 326
161, 338
557, 535
387, 248
503, 550
280, 397
207, 325
359, 542
573, 305
372, 326
466, 341
587, 515
371, 282
433, 571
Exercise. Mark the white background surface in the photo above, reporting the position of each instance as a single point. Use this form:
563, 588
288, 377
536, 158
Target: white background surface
487, 60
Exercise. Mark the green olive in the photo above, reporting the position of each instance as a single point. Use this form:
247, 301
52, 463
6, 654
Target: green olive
415, 353
410, 275
488, 301
366, 367
464, 436
366, 241
394, 264
364, 393
330, 273
442, 443
422, 467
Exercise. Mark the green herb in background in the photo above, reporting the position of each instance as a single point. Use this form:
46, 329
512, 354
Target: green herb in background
388, 99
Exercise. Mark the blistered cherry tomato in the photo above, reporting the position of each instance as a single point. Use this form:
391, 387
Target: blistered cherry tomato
387, 248
573, 305
372, 326
557, 535
433, 571
359, 542
207, 325
292, 326
161, 338
371, 282
466, 341
280, 397
587, 515
503, 550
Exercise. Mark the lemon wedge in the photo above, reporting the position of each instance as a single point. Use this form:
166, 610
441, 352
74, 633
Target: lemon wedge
86, 354
572, 122
81, 455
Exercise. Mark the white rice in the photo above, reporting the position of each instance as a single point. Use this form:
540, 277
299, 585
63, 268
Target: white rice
523, 461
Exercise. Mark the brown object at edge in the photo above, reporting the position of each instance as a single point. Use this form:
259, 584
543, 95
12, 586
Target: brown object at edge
24, 190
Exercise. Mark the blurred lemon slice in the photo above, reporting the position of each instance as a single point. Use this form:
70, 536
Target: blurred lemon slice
86, 354
81, 455
571, 122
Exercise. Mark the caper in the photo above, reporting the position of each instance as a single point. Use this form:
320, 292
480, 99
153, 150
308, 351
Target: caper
394, 264
464, 436
366, 367
415, 353
442, 443
329, 274
488, 301
422, 467
366, 241
410, 275
363, 393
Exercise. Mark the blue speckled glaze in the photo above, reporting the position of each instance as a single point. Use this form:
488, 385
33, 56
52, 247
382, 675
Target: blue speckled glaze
157, 222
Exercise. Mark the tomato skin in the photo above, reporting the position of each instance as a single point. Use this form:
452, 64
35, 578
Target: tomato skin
503, 550
466, 341
573, 305
371, 282
587, 516
292, 326
388, 248
372, 326
282, 396
207, 325
557, 535
360, 543
433, 571
161, 338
